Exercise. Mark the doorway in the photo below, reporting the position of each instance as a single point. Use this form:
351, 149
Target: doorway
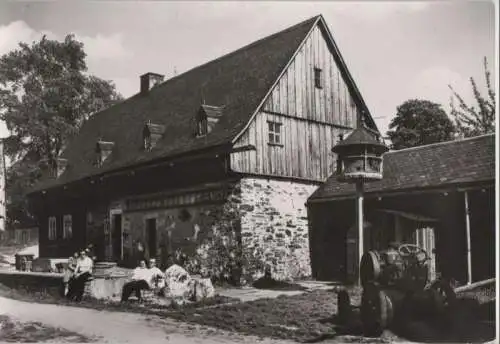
116, 236
151, 236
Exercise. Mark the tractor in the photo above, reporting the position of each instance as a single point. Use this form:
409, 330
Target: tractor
396, 289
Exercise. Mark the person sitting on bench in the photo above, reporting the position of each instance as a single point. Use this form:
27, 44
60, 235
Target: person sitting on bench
142, 278
69, 272
157, 276
82, 274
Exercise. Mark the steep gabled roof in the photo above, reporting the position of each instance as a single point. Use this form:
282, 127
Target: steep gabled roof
238, 82
436, 165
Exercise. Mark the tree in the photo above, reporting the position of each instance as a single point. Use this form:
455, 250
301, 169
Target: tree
472, 121
419, 122
46, 95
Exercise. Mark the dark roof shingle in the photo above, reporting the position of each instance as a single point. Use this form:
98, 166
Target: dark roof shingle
436, 165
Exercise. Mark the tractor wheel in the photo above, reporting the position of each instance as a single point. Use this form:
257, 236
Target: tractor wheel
369, 268
376, 310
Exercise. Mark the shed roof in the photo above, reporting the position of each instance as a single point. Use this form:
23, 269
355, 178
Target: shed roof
442, 164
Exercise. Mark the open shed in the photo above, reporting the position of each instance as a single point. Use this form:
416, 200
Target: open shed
422, 199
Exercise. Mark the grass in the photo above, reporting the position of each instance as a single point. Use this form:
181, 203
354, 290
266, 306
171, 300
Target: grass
304, 317
12, 331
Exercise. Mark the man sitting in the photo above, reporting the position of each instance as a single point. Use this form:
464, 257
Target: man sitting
82, 273
142, 278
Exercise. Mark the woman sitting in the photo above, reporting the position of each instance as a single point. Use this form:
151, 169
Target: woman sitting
69, 272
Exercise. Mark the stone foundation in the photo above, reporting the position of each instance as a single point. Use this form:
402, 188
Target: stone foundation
274, 226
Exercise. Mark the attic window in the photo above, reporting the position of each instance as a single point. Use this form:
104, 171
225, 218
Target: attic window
318, 78
274, 133
206, 119
151, 134
103, 150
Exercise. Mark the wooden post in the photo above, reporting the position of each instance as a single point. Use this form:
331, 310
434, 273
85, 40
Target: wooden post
359, 223
467, 230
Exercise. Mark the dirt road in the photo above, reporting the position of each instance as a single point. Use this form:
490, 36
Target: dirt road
119, 327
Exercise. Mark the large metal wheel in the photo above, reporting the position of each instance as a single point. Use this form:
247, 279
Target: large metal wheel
369, 268
376, 310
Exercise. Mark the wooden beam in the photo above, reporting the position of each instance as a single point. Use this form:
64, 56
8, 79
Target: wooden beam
360, 224
467, 231
475, 285
309, 120
278, 177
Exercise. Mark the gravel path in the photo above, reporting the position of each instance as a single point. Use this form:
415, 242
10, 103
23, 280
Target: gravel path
118, 327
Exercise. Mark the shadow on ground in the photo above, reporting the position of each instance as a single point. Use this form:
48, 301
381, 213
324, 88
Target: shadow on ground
467, 322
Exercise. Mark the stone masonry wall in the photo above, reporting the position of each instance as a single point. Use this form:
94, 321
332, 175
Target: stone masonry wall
261, 223
274, 227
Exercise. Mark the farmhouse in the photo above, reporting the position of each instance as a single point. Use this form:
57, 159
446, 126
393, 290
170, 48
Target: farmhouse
216, 162
439, 196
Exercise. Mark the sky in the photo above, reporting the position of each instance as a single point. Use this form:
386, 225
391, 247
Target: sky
395, 51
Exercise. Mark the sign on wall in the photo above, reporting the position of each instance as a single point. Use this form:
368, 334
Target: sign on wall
174, 201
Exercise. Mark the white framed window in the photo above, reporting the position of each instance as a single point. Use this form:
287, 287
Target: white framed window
67, 226
274, 133
318, 78
52, 228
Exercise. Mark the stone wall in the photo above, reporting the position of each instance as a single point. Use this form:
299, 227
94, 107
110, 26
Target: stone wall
261, 222
205, 236
36, 282
178, 229
274, 225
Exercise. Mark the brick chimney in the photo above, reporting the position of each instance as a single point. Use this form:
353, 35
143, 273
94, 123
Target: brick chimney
150, 80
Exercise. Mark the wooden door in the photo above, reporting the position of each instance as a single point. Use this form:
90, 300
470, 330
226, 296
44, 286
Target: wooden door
151, 237
116, 237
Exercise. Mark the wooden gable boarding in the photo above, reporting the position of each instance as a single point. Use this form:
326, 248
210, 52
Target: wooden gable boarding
309, 118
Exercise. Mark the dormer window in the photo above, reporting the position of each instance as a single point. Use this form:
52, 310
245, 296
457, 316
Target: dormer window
61, 166
54, 169
318, 78
207, 117
151, 134
103, 150
202, 127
